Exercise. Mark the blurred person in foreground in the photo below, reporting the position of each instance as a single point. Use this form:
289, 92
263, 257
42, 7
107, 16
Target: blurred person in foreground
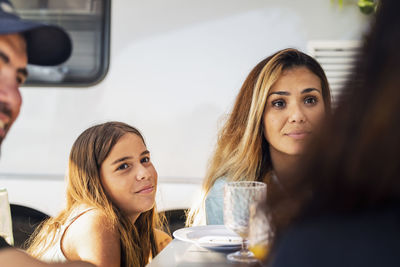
23, 42
343, 206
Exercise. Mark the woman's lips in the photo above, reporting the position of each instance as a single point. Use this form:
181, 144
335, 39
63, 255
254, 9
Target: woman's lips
298, 135
146, 190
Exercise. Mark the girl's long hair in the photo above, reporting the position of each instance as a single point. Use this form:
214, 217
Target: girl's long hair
242, 153
84, 188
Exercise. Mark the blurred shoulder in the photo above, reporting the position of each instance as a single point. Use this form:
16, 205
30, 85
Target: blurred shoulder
365, 238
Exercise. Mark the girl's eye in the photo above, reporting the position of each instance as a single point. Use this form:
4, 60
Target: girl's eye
20, 79
279, 104
145, 159
310, 100
123, 166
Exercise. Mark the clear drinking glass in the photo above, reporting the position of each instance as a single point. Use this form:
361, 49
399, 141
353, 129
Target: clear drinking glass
238, 199
260, 234
5, 217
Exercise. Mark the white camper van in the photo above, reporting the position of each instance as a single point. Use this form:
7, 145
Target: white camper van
169, 67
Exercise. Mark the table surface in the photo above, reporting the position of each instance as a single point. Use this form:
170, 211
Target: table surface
179, 253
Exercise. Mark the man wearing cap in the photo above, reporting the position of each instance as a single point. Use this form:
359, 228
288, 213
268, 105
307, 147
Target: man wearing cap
23, 42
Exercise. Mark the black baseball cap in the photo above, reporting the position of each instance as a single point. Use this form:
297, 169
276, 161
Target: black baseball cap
47, 45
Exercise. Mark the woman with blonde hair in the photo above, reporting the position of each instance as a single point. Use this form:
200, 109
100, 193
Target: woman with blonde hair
276, 112
110, 217
344, 204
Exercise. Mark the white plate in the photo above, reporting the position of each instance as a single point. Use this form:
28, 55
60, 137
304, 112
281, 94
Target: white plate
216, 237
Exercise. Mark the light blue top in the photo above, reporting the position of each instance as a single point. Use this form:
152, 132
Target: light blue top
215, 202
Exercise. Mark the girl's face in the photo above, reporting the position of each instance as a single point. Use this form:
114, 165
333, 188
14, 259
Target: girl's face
293, 110
128, 176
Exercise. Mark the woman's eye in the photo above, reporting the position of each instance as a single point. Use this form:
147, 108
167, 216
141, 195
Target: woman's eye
310, 100
123, 166
279, 103
145, 159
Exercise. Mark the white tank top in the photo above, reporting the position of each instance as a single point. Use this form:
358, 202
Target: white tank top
54, 253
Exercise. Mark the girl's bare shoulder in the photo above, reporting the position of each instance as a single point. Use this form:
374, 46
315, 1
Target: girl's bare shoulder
92, 237
162, 239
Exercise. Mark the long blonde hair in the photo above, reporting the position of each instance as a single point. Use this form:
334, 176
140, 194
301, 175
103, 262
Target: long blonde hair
84, 188
242, 151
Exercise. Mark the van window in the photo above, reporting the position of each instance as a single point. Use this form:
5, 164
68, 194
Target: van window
88, 23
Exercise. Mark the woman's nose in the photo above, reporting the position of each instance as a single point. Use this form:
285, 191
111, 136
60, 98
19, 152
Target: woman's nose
296, 114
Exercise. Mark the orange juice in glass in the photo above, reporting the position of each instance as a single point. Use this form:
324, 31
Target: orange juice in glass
259, 232
260, 251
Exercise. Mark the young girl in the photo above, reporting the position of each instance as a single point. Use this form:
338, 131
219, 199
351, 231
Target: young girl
277, 110
110, 218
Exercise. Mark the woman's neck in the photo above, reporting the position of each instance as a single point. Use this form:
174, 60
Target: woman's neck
283, 164
133, 217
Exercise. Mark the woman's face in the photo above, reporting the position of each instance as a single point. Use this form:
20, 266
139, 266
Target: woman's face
128, 176
293, 110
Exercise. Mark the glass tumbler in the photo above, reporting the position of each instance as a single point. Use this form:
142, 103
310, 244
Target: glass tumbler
238, 199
